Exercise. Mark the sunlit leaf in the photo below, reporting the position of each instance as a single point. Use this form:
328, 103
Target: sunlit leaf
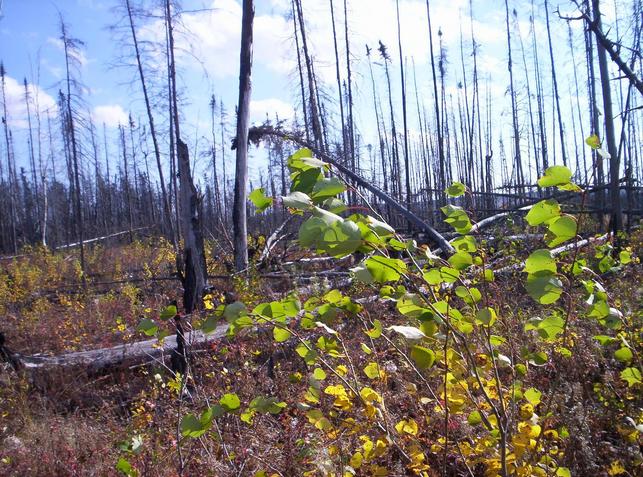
259, 199
555, 176
230, 402
423, 357
456, 189
543, 211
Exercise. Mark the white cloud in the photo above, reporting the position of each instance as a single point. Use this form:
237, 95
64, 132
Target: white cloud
110, 114
259, 109
39, 100
76, 53
211, 39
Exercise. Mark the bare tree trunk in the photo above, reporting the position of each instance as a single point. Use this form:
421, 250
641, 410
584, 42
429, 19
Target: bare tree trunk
555, 84
441, 158
349, 81
300, 69
617, 216
241, 174
514, 110
195, 274
128, 194
339, 85
215, 174
404, 116
10, 173
70, 44
150, 119
312, 97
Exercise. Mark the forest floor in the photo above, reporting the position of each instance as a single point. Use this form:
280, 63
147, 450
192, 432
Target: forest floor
127, 420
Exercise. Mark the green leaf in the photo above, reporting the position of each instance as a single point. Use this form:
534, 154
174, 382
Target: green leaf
311, 231
545, 288
551, 327
334, 205
210, 324
540, 261
297, 200
593, 141
168, 312
230, 402
124, 467
148, 327
555, 176
474, 418
543, 211
561, 230
624, 354
302, 153
372, 370
632, 376
423, 357
624, 257
305, 179
234, 310
563, 472
319, 374
328, 217
327, 188
532, 395
280, 334
376, 331
604, 340
465, 244
193, 427
384, 269
380, 228
456, 189
259, 199
266, 405
461, 260
457, 218
341, 239
538, 359
486, 316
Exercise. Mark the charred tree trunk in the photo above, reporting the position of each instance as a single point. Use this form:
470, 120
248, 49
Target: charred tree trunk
195, 271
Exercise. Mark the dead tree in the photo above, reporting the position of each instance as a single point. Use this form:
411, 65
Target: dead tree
241, 175
195, 272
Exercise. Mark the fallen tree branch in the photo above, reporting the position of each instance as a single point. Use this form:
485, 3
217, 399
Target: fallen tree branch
272, 241
258, 132
557, 251
100, 239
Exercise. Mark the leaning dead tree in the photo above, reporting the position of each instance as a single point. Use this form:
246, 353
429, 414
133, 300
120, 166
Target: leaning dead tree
256, 134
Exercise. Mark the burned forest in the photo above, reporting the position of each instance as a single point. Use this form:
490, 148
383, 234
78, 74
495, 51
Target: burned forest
321, 238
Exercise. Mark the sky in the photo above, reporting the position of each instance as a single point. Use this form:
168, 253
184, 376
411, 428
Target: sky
208, 54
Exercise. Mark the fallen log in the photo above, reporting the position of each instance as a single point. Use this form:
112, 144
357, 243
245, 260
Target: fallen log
100, 360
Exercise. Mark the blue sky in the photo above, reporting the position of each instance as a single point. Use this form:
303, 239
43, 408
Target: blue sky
208, 44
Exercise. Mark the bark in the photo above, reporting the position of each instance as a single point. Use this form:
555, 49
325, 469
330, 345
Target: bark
195, 271
241, 175
616, 216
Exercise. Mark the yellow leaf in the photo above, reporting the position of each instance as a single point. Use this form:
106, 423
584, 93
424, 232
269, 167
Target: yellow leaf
616, 468
408, 427
356, 460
